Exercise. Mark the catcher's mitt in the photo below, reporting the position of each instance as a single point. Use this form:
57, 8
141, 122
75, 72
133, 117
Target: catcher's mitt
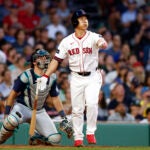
66, 126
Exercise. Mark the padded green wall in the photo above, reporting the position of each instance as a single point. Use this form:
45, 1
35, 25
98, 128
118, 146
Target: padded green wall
106, 134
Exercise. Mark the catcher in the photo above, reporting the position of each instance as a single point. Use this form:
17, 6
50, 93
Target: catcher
20, 111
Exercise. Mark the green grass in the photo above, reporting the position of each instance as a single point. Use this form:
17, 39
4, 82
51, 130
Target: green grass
76, 148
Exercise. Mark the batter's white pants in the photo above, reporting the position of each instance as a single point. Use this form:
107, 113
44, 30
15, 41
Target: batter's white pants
84, 94
44, 124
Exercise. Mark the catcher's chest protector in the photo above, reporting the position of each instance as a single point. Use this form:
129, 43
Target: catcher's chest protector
29, 93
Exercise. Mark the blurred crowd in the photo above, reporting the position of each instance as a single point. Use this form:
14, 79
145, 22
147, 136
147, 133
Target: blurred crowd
26, 25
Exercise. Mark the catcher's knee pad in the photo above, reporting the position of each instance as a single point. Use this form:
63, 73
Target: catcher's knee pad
9, 124
12, 121
54, 139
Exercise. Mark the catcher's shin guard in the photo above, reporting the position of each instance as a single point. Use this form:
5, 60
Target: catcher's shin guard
7, 129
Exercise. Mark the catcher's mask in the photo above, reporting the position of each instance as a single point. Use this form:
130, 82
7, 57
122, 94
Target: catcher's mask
77, 14
41, 57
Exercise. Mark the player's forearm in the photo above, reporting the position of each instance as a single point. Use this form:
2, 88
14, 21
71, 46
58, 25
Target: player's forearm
11, 98
57, 104
10, 101
52, 67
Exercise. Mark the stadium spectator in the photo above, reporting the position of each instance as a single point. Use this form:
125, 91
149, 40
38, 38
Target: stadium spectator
27, 52
139, 72
6, 85
44, 36
5, 46
12, 19
145, 101
3, 67
10, 35
21, 41
135, 112
59, 36
34, 36
2, 37
132, 86
109, 64
120, 114
102, 109
118, 96
125, 51
63, 11
14, 66
42, 12
55, 26
115, 50
28, 18
5, 9
3, 57
147, 118
127, 18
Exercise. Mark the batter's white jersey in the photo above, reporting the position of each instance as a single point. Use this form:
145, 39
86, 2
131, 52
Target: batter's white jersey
82, 53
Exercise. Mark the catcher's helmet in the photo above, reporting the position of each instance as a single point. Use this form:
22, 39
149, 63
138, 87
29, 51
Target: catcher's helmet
76, 15
40, 63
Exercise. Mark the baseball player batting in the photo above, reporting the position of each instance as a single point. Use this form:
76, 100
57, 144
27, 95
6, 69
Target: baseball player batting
82, 48
24, 92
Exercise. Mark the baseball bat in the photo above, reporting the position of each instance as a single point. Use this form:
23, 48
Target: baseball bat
33, 117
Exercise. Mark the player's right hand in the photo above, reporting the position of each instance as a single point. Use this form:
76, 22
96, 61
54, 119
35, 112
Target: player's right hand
42, 83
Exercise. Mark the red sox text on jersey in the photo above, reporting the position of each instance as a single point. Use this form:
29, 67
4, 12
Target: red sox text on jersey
74, 51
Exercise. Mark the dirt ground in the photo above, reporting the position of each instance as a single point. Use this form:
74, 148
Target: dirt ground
22, 146
40, 146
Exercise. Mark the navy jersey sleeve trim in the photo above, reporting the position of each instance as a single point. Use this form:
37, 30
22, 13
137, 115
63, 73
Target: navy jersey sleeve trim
19, 85
58, 59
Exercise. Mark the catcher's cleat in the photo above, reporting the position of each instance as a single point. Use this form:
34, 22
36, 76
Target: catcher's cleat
78, 143
37, 139
91, 138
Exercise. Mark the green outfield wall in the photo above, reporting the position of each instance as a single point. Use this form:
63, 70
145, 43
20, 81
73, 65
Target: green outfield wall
106, 134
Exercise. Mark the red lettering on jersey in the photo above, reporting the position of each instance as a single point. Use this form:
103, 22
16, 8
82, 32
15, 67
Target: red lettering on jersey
77, 51
74, 51
90, 50
87, 50
69, 51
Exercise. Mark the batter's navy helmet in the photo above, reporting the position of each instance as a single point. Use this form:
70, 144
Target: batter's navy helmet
76, 15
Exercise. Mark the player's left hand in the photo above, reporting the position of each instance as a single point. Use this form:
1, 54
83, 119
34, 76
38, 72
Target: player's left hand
42, 83
66, 126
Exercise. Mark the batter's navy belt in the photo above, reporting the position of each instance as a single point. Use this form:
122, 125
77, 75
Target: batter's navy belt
84, 73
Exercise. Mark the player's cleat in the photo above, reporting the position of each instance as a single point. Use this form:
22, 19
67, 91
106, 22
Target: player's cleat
37, 139
91, 138
78, 143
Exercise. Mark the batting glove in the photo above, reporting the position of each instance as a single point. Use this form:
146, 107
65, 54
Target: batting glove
42, 82
66, 126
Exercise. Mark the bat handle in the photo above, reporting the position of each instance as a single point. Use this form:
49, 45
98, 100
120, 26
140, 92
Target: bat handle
33, 117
